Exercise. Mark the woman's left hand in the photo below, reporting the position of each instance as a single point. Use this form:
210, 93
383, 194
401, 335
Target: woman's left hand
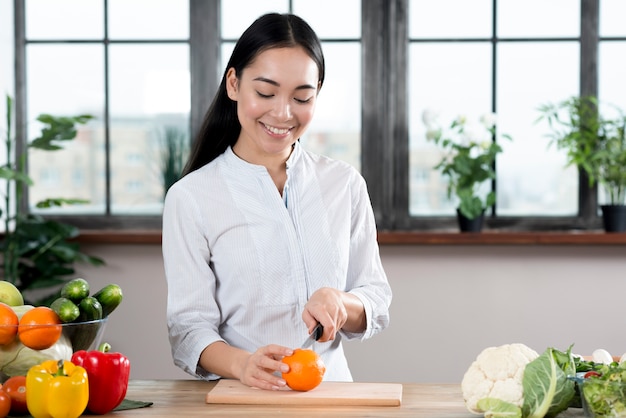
327, 307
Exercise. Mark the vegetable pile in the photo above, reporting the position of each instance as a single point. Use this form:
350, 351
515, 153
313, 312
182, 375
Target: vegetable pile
514, 381
45, 368
76, 307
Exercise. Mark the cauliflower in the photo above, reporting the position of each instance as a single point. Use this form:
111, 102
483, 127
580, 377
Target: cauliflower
497, 373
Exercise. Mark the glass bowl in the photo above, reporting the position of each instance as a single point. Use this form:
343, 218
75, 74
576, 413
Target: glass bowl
16, 358
603, 398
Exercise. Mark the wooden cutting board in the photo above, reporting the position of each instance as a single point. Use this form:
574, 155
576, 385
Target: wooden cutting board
229, 391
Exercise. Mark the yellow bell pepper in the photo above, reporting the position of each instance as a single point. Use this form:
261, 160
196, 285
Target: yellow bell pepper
56, 389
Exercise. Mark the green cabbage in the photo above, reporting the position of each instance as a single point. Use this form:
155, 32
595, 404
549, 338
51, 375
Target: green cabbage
16, 359
547, 390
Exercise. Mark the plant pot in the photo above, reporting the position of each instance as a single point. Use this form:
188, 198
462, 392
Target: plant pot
470, 225
614, 218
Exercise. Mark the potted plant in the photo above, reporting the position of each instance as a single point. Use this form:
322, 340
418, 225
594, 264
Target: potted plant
596, 145
37, 253
469, 156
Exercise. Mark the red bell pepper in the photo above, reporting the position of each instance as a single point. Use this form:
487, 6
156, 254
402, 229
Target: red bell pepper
108, 375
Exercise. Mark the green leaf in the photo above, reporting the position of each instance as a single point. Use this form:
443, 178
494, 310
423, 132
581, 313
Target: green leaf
10, 174
57, 201
496, 408
547, 391
57, 129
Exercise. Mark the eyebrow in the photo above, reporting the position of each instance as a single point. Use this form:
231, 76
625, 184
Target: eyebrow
275, 83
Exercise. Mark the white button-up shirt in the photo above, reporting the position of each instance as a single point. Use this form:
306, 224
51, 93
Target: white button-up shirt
241, 261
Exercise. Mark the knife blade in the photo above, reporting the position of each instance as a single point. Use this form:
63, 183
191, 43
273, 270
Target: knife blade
313, 336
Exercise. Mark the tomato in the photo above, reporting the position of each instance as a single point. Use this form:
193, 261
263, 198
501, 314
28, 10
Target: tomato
5, 404
15, 387
591, 374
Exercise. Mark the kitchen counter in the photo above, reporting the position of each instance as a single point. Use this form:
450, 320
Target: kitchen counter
186, 398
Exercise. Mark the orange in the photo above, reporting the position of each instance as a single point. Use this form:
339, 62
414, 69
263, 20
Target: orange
39, 328
306, 370
8, 324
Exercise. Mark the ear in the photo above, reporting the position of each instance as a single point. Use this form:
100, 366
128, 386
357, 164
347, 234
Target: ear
232, 84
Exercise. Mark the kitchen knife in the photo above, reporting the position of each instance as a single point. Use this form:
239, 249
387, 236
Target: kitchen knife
314, 336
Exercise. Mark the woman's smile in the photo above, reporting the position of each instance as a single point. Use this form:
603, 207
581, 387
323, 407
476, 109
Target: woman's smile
274, 131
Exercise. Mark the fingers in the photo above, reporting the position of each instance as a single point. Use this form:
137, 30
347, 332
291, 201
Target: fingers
326, 307
263, 368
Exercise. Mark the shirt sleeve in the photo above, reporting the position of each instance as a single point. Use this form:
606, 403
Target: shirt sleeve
366, 277
193, 316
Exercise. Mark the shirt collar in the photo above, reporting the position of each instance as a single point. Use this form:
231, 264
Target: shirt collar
233, 159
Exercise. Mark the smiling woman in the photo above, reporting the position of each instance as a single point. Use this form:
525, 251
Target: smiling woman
276, 98
262, 238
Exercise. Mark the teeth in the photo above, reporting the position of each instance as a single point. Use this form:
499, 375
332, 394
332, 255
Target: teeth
276, 130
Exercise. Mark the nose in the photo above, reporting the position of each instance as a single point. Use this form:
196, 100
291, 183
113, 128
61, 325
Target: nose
282, 109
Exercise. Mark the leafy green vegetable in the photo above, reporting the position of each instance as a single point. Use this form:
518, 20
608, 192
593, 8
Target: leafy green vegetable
605, 395
547, 390
497, 408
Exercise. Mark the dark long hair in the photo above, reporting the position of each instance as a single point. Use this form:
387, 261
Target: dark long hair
221, 126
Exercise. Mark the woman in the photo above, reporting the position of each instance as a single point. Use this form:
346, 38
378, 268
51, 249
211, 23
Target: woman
261, 239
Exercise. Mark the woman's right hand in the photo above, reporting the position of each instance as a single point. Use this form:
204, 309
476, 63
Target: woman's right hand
259, 369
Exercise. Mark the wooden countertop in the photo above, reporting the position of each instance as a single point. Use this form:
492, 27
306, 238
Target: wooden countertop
186, 398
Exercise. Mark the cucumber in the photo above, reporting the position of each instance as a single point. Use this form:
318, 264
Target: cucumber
75, 290
90, 309
110, 297
83, 335
65, 309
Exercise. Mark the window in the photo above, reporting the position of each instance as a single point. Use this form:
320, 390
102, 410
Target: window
135, 81
387, 61
496, 62
473, 66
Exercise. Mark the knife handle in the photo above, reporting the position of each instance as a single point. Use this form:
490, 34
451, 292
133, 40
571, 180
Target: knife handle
318, 331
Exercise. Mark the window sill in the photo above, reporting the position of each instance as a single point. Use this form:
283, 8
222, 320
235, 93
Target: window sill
490, 237
495, 237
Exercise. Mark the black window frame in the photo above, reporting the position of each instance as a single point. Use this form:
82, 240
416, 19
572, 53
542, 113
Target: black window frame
384, 132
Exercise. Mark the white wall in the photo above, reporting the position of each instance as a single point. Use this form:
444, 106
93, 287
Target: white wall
450, 302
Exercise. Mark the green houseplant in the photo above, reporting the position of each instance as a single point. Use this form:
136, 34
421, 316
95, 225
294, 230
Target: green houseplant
468, 162
37, 253
595, 144
175, 148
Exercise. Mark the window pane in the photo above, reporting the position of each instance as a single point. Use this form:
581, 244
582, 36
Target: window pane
47, 19
532, 179
453, 80
6, 51
149, 97
538, 18
611, 86
160, 19
237, 15
449, 18
74, 85
343, 22
336, 127
612, 18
